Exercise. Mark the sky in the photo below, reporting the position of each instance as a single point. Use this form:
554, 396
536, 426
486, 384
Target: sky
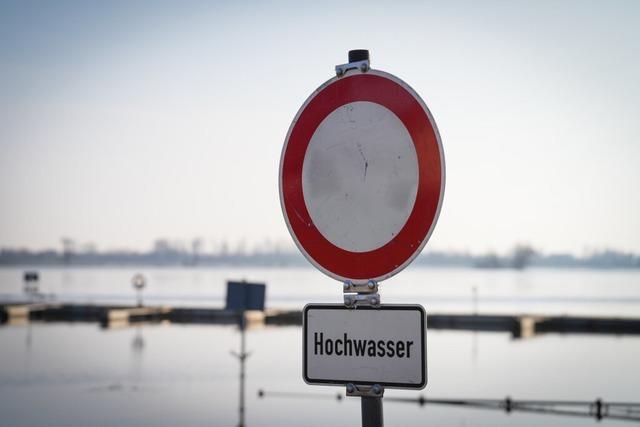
122, 122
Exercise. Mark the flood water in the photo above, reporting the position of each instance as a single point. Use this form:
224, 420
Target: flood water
60, 374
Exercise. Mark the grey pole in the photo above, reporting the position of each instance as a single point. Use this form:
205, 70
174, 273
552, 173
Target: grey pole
371, 411
356, 55
243, 356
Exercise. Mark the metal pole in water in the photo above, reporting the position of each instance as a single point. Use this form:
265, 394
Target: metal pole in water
370, 396
371, 411
243, 356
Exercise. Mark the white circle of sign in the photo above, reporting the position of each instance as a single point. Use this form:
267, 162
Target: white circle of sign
360, 176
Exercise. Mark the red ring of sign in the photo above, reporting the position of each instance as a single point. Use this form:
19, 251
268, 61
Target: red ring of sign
381, 262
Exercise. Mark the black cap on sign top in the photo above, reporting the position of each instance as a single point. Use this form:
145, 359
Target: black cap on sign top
358, 55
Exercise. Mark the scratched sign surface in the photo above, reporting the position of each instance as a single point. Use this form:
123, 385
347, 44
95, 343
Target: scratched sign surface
362, 176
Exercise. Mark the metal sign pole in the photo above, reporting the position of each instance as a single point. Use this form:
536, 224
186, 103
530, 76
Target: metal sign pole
371, 411
370, 396
370, 403
242, 357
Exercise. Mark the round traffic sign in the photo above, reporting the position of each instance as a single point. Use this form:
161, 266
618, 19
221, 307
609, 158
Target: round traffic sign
362, 176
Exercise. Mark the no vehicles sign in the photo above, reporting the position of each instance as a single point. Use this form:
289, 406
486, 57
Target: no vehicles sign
362, 176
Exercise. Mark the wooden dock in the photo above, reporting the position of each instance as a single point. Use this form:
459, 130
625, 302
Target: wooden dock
519, 326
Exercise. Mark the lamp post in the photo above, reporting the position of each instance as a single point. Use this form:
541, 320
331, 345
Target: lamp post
139, 282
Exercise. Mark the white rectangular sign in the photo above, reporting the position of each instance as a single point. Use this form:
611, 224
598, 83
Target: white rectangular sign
366, 345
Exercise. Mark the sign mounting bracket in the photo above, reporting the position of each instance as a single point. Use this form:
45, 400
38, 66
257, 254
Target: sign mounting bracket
357, 65
361, 294
375, 390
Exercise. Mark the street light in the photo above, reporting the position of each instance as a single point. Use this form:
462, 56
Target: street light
139, 282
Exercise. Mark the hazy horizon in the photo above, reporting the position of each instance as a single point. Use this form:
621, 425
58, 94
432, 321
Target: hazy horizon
122, 122
217, 248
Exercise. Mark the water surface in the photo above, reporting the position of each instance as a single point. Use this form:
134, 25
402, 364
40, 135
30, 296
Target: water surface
61, 374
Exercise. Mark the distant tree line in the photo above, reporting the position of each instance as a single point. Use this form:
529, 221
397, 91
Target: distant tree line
166, 254
523, 256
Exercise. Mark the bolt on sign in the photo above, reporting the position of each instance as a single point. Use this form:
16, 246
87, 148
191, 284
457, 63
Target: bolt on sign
362, 178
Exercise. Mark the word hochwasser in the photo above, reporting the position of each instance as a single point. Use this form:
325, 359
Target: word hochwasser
360, 347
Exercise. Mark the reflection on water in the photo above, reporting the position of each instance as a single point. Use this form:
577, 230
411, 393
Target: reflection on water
137, 344
137, 355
